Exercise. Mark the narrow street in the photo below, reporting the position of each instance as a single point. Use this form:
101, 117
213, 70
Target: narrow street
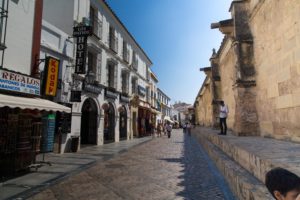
176, 168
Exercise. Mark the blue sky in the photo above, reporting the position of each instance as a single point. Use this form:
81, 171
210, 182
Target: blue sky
176, 36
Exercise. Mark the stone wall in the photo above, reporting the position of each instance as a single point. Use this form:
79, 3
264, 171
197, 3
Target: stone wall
204, 113
258, 66
275, 26
227, 73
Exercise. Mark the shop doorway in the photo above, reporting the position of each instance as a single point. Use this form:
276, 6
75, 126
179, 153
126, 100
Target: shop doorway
88, 130
123, 123
109, 124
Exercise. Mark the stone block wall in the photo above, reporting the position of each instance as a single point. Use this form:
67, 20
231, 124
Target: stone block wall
275, 27
227, 72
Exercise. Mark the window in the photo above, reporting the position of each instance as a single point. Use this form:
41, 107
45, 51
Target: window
111, 75
113, 40
95, 22
147, 73
134, 61
134, 86
147, 94
125, 77
125, 52
92, 63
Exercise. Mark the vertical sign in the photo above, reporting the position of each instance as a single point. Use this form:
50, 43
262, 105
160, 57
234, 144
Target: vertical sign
81, 55
81, 33
52, 67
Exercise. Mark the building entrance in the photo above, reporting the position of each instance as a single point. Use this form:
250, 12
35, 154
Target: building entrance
88, 130
109, 124
123, 123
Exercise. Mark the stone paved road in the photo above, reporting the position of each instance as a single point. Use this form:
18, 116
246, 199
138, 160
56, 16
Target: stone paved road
163, 168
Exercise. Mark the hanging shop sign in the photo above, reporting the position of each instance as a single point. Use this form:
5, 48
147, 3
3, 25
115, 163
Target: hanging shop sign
81, 55
81, 33
16, 82
91, 88
51, 76
75, 96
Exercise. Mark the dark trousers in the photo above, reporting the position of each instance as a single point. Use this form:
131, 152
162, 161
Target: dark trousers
223, 126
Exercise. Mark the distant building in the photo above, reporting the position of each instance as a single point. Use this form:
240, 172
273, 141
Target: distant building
183, 112
163, 102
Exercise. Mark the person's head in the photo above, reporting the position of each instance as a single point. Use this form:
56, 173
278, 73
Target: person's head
222, 103
283, 184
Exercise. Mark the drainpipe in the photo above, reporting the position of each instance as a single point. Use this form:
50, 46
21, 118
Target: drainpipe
36, 40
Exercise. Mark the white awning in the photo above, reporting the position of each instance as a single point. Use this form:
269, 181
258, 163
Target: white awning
167, 118
31, 103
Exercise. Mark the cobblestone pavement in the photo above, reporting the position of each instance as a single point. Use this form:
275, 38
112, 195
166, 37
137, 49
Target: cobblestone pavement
163, 168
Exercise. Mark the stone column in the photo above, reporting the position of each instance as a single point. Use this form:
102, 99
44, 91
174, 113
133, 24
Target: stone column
100, 130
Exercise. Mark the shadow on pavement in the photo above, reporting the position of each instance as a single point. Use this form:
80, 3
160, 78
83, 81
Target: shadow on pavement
199, 178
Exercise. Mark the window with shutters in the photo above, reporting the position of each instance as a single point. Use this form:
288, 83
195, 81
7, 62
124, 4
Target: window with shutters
125, 82
125, 52
134, 61
147, 94
134, 85
111, 75
99, 66
95, 22
113, 40
147, 74
92, 63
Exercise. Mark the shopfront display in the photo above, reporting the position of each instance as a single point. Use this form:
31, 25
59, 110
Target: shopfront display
27, 127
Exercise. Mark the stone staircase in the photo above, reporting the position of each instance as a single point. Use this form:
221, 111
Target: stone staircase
244, 161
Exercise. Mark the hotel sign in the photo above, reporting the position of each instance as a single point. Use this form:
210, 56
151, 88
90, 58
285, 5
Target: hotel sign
16, 82
52, 69
81, 33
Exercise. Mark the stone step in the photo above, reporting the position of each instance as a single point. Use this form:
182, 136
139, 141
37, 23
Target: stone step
256, 154
244, 185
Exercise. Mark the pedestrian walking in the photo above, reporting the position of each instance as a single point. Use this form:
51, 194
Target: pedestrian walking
169, 129
223, 115
184, 128
189, 128
165, 128
159, 129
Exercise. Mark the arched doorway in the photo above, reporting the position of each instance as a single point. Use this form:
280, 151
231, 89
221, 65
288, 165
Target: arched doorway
88, 130
123, 123
109, 124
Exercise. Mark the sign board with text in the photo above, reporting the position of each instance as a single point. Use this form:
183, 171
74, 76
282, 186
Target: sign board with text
81, 33
16, 82
51, 80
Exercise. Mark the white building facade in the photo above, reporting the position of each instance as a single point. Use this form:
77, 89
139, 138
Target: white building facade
116, 82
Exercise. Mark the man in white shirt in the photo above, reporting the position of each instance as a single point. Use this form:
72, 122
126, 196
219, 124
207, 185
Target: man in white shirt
223, 116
